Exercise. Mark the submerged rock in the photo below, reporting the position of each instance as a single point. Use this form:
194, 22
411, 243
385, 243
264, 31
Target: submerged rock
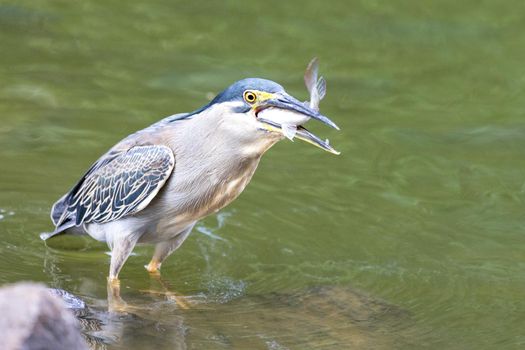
33, 318
325, 317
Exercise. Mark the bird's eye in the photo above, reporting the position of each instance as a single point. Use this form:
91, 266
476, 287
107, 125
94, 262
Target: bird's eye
250, 96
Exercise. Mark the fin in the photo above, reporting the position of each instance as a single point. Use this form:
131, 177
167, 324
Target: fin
321, 88
310, 75
316, 87
289, 131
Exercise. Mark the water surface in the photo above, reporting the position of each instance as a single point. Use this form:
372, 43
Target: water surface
422, 213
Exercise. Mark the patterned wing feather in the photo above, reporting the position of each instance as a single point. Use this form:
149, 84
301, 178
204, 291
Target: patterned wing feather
122, 186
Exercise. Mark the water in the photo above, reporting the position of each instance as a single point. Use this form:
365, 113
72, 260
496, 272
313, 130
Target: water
421, 215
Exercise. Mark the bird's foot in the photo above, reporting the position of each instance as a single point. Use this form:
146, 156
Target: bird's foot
153, 267
115, 303
114, 286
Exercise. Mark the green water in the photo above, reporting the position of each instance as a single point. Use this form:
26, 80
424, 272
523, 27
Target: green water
423, 210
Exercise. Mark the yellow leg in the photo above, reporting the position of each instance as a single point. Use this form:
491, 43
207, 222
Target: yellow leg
165, 248
162, 251
153, 267
115, 302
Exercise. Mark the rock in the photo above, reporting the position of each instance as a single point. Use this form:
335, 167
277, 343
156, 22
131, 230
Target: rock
34, 319
324, 317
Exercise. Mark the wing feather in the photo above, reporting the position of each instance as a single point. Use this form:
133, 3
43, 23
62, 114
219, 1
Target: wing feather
120, 186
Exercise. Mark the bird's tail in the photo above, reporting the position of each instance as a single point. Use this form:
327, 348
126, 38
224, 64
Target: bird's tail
46, 235
59, 230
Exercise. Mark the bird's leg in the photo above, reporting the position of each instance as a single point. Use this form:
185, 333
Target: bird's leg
121, 248
115, 302
164, 249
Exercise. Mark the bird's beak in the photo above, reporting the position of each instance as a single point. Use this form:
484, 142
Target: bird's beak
287, 102
302, 134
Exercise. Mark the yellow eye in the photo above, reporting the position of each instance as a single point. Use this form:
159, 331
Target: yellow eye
250, 96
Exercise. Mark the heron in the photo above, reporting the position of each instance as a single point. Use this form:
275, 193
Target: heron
157, 183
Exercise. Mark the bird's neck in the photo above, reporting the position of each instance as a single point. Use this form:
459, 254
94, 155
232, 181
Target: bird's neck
211, 170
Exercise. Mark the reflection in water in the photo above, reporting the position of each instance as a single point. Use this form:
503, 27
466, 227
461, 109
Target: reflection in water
318, 317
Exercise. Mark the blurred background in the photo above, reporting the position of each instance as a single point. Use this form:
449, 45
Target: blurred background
411, 238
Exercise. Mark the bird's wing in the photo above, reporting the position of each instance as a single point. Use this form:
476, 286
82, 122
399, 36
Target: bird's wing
119, 184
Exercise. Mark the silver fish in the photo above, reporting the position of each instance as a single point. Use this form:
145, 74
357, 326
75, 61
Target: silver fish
317, 89
291, 122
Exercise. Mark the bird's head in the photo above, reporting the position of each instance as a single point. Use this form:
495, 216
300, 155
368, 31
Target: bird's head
259, 109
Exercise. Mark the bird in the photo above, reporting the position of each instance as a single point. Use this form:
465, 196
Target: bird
154, 185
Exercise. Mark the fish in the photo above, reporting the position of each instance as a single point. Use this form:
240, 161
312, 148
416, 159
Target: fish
290, 120
317, 89
289, 131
